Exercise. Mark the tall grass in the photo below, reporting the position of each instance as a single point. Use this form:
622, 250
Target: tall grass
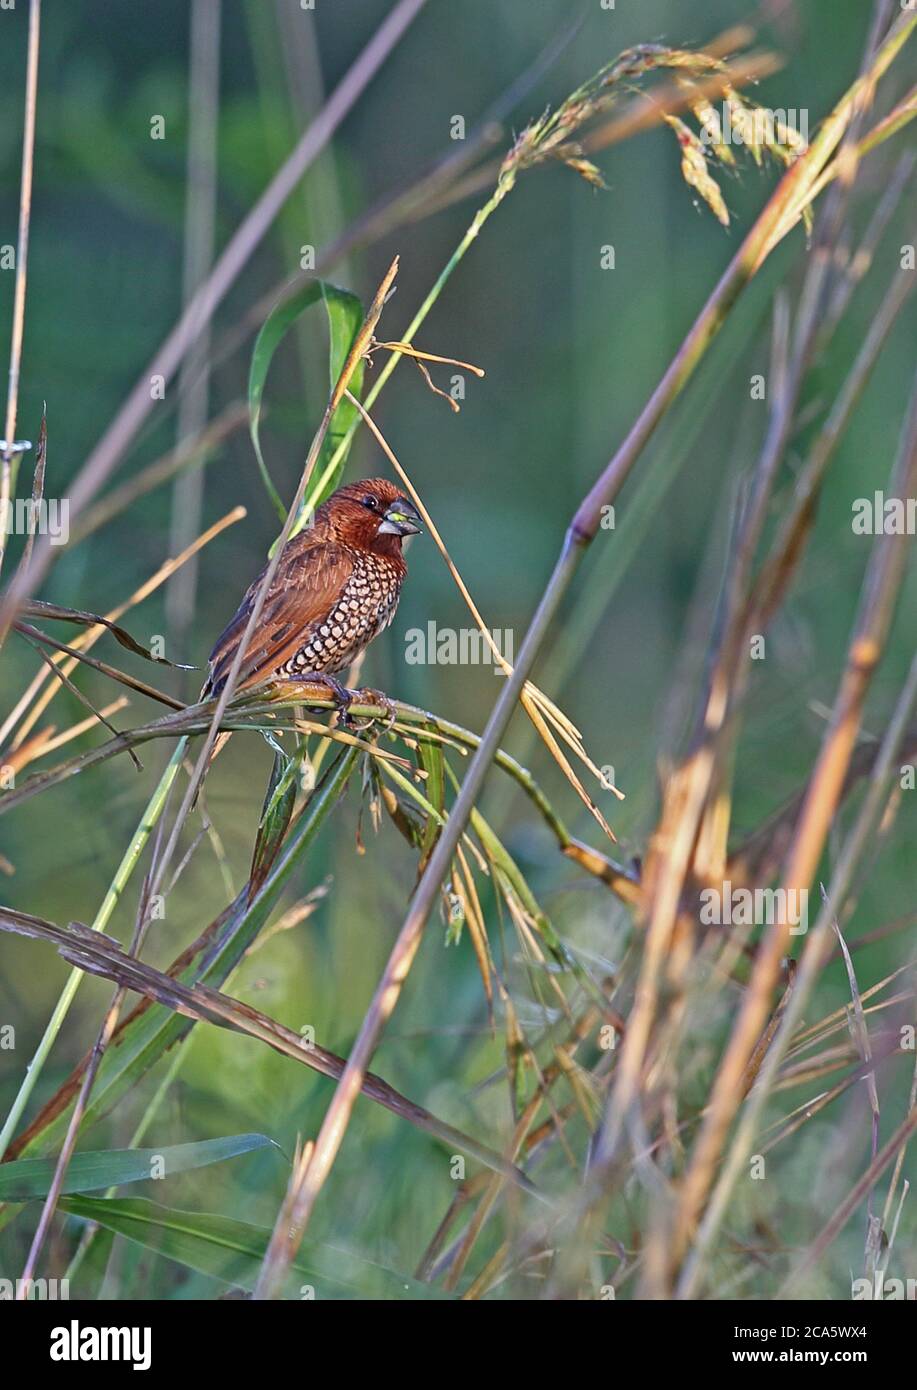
647, 1082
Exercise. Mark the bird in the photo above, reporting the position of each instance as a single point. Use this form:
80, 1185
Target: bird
336, 587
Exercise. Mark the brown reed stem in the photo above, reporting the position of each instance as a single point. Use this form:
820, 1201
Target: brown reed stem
883, 579
7, 463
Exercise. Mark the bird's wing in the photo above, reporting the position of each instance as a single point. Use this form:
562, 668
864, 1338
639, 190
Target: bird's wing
309, 580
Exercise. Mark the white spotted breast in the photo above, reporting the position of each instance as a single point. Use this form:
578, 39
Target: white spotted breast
365, 608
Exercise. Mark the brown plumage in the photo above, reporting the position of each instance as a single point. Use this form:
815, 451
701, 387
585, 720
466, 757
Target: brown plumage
336, 587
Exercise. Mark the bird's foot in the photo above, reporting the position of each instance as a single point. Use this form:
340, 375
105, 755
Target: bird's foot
344, 698
339, 693
366, 695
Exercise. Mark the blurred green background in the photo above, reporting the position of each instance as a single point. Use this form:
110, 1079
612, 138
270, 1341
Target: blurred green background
571, 351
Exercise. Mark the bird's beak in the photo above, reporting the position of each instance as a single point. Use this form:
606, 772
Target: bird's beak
401, 519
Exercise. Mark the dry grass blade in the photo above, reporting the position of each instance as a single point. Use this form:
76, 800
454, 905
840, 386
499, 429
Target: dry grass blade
49, 740
896, 1176
812, 962
9, 457
78, 695
862, 1036
38, 701
101, 955
189, 453
112, 672
850, 1203
836, 1022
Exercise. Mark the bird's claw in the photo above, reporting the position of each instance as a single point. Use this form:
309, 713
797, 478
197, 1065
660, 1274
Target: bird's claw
344, 698
366, 695
339, 693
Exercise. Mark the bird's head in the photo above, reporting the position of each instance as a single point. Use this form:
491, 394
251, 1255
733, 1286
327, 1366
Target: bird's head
372, 515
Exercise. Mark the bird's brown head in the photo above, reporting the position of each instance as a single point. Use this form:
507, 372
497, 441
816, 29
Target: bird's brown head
370, 515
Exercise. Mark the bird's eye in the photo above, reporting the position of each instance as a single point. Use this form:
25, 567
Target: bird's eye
371, 503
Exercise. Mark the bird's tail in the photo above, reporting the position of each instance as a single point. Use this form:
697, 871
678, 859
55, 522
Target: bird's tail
209, 689
220, 743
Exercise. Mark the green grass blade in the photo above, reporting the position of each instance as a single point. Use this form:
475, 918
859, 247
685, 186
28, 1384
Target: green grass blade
232, 1251
345, 315
28, 1178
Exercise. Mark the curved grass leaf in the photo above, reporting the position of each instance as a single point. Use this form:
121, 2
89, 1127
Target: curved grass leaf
232, 1251
38, 608
27, 1178
345, 318
345, 315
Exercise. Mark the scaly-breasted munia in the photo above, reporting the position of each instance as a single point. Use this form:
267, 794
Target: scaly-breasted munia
336, 587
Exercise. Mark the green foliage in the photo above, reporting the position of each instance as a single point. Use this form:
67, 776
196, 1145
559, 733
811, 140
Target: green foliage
231, 1251
28, 1178
344, 314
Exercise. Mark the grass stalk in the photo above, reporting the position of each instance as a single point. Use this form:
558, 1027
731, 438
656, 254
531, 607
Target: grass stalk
880, 590
9, 459
113, 896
